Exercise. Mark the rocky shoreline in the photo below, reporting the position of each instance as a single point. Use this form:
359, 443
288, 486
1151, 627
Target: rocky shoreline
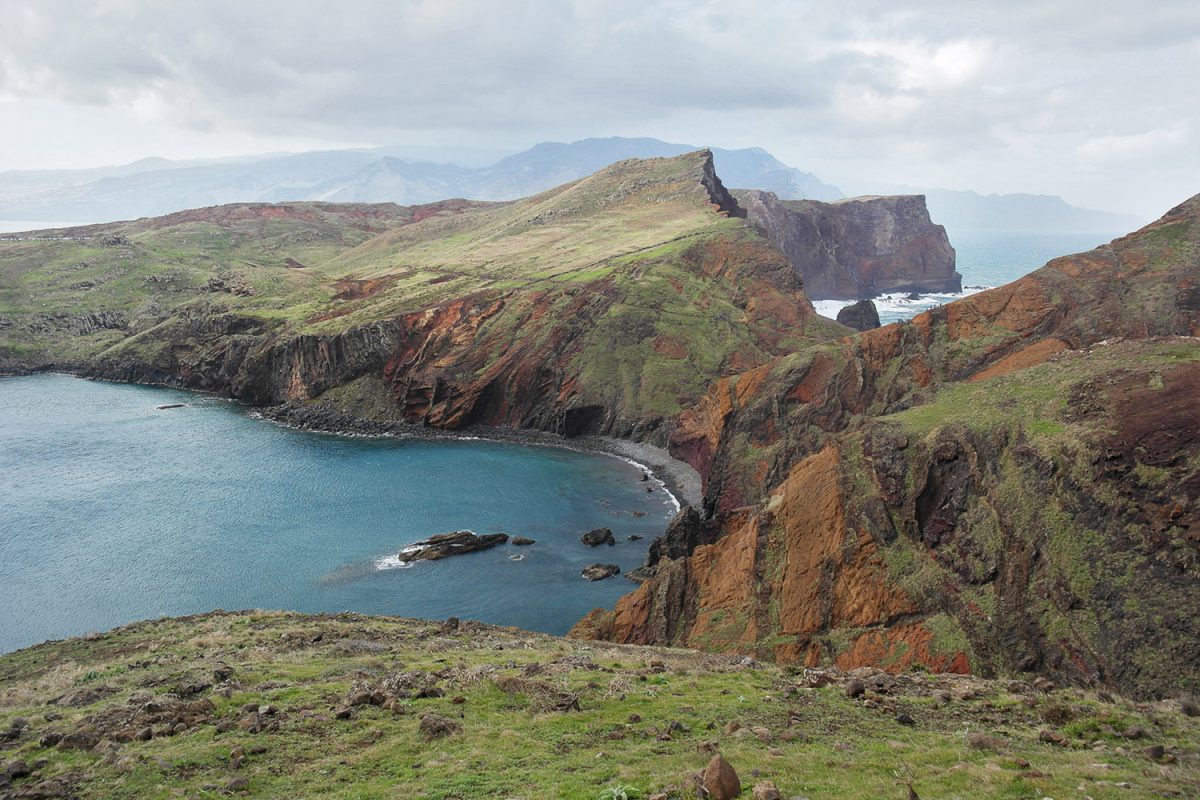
680, 480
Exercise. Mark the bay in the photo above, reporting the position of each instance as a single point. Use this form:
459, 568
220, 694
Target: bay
113, 510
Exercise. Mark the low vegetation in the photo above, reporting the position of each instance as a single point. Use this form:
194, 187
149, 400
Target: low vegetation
285, 705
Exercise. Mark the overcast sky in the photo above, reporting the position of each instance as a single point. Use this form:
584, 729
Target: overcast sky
1093, 100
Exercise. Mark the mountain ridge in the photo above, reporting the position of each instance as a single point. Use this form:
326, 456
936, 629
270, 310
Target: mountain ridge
363, 176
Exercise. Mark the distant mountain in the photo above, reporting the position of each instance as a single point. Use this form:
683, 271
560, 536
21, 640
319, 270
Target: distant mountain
962, 210
156, 186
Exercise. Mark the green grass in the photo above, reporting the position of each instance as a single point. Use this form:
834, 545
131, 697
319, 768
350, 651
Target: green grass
824, 745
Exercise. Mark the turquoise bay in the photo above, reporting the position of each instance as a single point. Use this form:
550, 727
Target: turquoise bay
112, 510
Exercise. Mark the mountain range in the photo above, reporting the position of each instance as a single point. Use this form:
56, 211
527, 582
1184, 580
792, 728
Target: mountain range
408, 176
155, 186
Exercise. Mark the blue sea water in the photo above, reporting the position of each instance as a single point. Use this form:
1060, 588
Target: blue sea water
112, 510
985, 259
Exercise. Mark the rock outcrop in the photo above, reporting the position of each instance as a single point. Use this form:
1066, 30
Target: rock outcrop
859, 247
862, 316
911, 538
445, 545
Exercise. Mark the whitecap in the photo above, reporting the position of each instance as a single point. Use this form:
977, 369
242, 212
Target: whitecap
898, 306
392, 562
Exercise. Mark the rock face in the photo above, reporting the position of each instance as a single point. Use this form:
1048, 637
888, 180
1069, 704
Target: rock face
616, 344
910, 538
445, 545
859, 247
862, 316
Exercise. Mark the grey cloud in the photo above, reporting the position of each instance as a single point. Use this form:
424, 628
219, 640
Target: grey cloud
948, 91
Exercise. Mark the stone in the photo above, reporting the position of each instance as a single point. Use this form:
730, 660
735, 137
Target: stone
1155, 752
766, 790
862, 316
720, 780
445, 545
1052, 737
597, 537
982, 741
905, 719
1189, 707
598, 572
79, 740
435, 726
523, 541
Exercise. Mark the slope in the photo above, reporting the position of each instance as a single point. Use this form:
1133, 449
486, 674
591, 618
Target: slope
604, 305
914, 537
285, 705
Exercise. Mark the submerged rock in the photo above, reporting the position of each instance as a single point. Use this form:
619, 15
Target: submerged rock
450, 544
522, 541
598, 572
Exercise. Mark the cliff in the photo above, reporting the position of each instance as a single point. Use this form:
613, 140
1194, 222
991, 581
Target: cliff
602, 306
860, 247
866, 496
873, 498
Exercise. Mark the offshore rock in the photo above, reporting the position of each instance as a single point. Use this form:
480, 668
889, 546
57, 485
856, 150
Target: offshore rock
598, 572
598, 537
862, 316
445, 545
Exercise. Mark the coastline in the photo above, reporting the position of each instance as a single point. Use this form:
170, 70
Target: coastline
679, 480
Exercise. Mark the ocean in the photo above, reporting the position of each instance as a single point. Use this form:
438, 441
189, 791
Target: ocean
986, 259
112, 510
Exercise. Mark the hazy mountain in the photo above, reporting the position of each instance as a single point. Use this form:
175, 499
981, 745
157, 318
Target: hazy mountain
962, 210
155, 186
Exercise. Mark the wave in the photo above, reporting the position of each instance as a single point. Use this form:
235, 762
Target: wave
898, 306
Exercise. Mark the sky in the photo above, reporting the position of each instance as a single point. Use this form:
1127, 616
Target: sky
1094, 100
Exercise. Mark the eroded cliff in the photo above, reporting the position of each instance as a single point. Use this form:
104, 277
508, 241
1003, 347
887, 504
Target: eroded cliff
994, 486
857, 248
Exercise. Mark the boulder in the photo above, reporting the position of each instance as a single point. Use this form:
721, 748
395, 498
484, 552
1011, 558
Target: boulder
862, 316
450, 544
522, 541
598, 572
766, 790
721, 780
434, 726
598, 537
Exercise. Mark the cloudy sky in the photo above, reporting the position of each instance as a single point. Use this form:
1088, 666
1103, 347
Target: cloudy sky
1093, 100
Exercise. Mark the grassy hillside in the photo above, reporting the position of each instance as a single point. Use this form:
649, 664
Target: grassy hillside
614, 299
281, 705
